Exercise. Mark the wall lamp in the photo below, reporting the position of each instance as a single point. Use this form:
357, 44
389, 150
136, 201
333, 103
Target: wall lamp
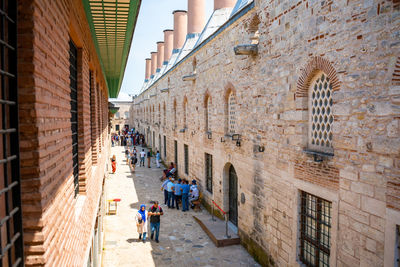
190, 77
209, 135
235, 137
246, 49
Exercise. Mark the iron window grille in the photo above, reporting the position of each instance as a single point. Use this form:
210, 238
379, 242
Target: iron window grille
73, 67
165, 147
11, 243
186, 151
176, 153
209, 169
315, 230
397, 261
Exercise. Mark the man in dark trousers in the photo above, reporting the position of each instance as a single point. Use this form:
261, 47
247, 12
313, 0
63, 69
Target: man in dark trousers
149, 155
155, 212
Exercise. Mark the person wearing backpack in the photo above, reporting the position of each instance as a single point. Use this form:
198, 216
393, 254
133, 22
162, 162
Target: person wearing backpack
155, 212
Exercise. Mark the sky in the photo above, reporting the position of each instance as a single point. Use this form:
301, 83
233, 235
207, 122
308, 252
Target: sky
154, 17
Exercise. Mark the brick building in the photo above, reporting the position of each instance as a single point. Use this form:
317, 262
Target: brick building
55, 84
287, 114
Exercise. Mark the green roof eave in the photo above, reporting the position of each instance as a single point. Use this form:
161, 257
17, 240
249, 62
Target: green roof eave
112, 56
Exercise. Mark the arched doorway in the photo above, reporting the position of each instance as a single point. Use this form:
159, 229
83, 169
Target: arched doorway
233, 196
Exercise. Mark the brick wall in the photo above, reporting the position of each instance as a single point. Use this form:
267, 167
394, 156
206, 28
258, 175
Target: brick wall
356, 44
57, 225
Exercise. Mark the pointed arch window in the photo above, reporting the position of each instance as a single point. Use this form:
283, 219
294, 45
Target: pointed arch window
320, 113
232, 113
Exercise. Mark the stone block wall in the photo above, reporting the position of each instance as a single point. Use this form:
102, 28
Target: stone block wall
57, 224
356, 44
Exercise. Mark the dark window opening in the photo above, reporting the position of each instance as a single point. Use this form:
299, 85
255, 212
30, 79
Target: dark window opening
11, 243
176, 153
315, 230
209, 171
165, 147
186, 152
73, 68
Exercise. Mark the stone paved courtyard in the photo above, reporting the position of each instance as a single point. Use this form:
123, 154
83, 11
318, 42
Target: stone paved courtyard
182, 241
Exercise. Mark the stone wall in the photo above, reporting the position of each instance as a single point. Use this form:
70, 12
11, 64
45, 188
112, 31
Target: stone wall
122, 120
57, 224
356, 44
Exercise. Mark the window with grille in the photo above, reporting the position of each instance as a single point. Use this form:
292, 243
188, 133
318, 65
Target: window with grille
397, 250
186, 151
209, 171
176, 153
165, 147
232, 113
208, 113
320, 114
315, 230
175, 115
73, 68
165, 115
11, 245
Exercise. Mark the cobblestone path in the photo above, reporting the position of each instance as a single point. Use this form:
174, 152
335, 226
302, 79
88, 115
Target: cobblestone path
182, 241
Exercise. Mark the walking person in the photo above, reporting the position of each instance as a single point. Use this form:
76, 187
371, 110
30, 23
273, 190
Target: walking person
158, 159
141, 222
155, 212
114, 163
185, 195
142, 156
149, 155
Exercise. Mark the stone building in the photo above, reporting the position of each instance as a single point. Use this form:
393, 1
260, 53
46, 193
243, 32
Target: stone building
287, 114
55, 84
122, 117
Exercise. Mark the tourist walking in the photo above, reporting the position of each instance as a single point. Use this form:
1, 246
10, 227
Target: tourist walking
158, 158
114, 163
164, 188
142, 156
171, 196
141, 222
155, 212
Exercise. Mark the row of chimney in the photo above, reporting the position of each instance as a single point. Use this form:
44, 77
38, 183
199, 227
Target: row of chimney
185, 22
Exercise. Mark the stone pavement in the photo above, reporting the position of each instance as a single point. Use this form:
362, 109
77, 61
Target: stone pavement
182, 241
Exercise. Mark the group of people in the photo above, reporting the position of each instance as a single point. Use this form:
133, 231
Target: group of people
178, 191
127, 138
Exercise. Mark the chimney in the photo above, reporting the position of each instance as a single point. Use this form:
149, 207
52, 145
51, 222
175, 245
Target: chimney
218, 4
168, 43
153, 63
160, 55
180, 28
196, 16
148, 69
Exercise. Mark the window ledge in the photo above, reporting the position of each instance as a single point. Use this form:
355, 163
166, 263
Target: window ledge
318, 155
79, 204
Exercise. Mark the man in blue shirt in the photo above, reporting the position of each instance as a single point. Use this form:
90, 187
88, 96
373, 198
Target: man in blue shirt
165, 188
171, 196
178, 193
185, 195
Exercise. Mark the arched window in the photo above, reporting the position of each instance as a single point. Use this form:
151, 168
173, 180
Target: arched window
320, 113
126, 115
232, 113
208, 114
175, 125
165, 114
184, 112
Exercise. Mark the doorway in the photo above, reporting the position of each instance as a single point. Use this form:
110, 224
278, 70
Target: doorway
233, 192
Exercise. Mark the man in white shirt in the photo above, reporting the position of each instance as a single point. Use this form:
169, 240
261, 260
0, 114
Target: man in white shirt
142, 156
194, 193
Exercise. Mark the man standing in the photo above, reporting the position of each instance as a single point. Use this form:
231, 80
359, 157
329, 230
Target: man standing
185, 195
142, 155
178, 193
155, 212
171, 196
149, 155
165, 189
194, 193
158, 159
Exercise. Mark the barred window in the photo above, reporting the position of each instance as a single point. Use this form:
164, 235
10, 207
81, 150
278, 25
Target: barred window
165, 115
209, 171
186, 151
175, 114
176, 154
397, 251
320, 114
315, 231
232, 113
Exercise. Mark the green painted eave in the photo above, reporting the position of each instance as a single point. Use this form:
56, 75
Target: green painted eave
112, 24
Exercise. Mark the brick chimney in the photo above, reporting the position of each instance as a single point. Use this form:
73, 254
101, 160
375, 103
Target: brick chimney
160, 55
218, 4
148, 69
168, 45
196, 16
153, 64
180, 29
